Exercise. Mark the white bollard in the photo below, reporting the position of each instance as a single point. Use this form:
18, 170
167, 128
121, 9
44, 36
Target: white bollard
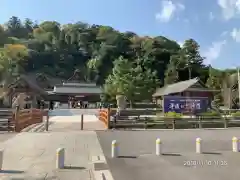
158, 147
1, 159
198, 145
235, 144
114, 149
60, 158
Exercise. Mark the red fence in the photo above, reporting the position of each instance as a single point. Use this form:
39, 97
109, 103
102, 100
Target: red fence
104, 116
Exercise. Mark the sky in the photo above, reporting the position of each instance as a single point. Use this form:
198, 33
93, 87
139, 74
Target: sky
214, 24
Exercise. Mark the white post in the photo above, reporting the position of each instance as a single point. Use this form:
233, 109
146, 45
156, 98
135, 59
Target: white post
198, 145
158, 147
235, 147
114, 149
60, 158
1, 159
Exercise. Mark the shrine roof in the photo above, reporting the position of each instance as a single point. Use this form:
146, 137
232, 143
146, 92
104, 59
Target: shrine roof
78, 84
77, 90
181, 86
28, 80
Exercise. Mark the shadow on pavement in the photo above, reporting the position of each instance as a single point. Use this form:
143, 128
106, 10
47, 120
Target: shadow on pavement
128, 157
74, 168
11, 172
171, 154
212, 153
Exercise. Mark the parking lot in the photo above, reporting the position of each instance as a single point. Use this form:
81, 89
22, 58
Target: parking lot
179, 161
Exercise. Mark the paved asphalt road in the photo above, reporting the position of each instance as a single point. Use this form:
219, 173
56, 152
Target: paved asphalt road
138, 161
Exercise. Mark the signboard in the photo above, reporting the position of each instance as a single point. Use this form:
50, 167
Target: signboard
185, 104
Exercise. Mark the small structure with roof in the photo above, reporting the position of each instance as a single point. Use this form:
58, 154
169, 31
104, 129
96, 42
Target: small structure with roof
39, 86
78, 88
81, 91
23, 84
185, 96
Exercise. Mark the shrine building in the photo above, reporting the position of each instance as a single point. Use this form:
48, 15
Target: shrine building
190, 94
76, 87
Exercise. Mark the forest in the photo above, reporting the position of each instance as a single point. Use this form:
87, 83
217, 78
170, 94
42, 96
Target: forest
121, 62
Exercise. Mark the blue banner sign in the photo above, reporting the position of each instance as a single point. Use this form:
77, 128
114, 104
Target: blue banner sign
185, 104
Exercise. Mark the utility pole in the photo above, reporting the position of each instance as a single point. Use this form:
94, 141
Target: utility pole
189, 67
209, 70
238, 87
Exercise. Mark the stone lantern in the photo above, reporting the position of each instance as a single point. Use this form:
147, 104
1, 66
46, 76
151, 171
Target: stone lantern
121, 102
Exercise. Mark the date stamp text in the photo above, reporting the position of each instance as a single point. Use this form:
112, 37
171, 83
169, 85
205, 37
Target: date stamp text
202, 163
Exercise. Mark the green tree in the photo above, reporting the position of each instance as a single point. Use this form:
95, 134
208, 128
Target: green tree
190, 58
59, 49
216, 81
132, 81
171, 73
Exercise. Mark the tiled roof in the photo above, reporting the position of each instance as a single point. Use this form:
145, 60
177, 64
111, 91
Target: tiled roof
77, 90
31, 82
83, 84
175, 88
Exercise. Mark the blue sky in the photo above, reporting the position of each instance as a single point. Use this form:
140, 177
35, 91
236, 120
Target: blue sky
214, 24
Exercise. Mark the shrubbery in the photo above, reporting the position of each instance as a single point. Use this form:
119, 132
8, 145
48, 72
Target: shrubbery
210, 114
236, 114
173, 115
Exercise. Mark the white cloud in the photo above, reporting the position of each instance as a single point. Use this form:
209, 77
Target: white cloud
211, 16
230, 8
213, 52
224, 33
169, 9
236, 34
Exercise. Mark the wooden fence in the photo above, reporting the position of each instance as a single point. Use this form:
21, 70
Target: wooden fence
27, 117
17, 120
6, 120
133, 118
106, 114
171, 123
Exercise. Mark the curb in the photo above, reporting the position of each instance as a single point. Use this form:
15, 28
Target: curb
197, 129
101, 174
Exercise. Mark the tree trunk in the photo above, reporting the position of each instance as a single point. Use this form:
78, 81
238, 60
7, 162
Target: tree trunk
131, 103
189, 73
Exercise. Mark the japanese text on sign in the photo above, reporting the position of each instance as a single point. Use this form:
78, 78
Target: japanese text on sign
185, 104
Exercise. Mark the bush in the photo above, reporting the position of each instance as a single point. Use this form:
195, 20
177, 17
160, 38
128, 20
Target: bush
173, 115
236, 114
210, 114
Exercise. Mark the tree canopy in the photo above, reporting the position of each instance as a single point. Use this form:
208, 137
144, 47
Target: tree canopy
122, 62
